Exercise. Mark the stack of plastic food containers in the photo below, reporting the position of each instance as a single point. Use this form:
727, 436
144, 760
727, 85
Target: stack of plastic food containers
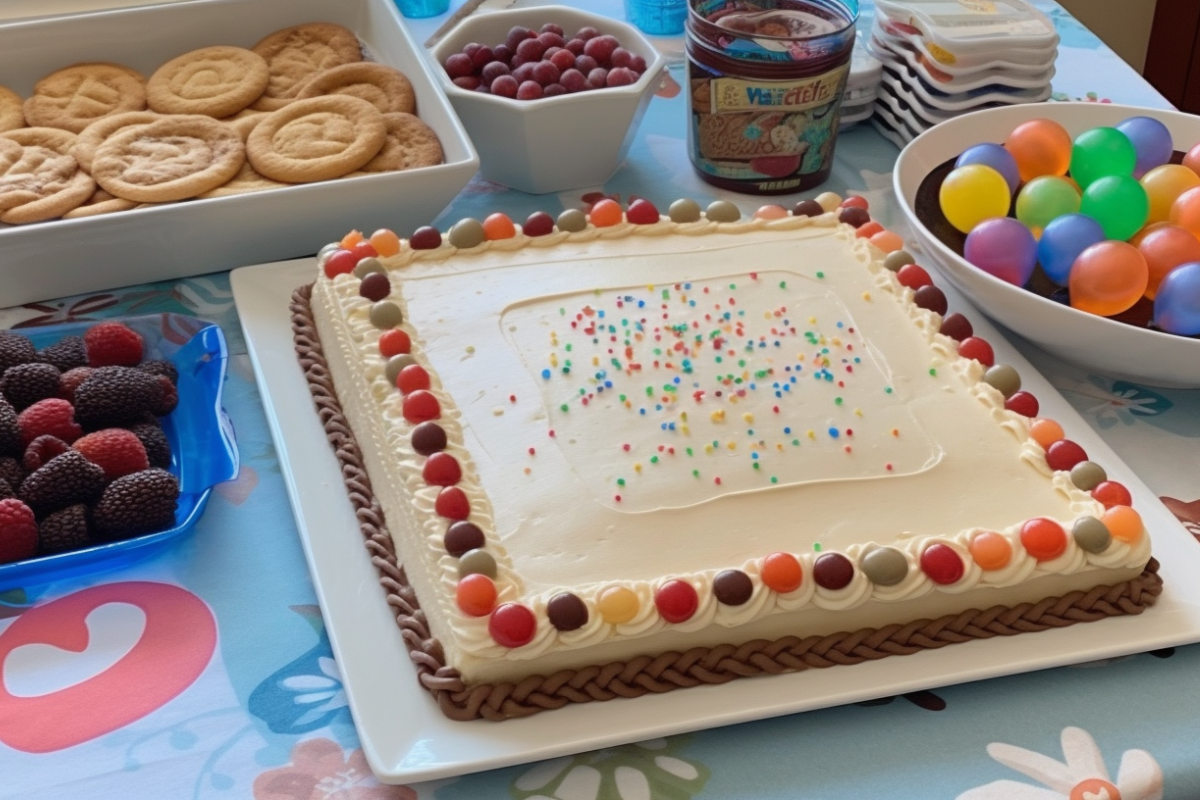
943, 58
862, 87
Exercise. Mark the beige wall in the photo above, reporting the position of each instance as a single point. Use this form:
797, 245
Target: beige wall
1124, 25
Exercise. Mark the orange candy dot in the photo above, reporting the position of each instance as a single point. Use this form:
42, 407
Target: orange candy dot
352, 238
1046, 432
990, 550
476, 595
394, 342
1124, 524
771, 212
868, 229
782, 572
385, 242
617, 604
606, 213
888, 241
1043, 538
499, 226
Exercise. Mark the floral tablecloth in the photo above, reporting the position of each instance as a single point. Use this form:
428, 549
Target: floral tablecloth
267, 717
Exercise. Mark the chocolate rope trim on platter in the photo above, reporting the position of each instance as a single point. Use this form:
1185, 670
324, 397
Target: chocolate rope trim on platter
670, 670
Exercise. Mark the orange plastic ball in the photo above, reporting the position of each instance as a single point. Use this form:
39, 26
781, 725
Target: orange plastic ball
1108, 278
1046, 432
1044, 539
1185, 211
1192, 159
476, 595
1163, 186
385, 242
991, 551
606, 213
1165, 247
498, 226
782, 572
1124, 524
1040, 147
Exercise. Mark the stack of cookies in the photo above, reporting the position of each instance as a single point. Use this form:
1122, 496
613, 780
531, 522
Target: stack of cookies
300, 106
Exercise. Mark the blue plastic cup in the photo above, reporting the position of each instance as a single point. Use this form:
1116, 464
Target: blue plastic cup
419, 9
657, 17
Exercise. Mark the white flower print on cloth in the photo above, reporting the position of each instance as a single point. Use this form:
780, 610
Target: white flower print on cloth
643, 771
1082, 777
321, 694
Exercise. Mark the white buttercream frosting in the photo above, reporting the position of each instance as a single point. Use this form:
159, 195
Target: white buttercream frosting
906, 448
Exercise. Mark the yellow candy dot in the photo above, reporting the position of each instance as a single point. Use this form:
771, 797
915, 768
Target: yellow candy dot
990, 550
1124, 524
617, 605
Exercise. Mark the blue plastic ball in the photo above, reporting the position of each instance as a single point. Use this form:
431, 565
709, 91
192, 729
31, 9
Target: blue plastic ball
1151, 140
1002, 247
994, 156
1063, 240
1177, 303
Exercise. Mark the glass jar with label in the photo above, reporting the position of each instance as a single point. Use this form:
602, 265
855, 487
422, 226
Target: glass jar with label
765, 84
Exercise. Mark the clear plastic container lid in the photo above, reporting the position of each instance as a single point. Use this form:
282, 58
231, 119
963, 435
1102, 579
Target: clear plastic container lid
968, 33
1003, 61
865, 69
951, 84
890, 128
902, 114
986, 97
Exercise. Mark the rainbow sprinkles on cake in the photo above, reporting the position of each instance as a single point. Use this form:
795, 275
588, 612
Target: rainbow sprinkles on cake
621, 452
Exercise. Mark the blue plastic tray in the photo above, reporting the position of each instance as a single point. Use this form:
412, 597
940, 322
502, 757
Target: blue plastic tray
203, 449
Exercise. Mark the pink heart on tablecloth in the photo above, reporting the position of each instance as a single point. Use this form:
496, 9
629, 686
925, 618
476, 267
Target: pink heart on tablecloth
104, 673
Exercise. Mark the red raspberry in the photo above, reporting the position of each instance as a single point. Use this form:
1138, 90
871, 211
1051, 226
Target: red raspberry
69, 381
115, 450
54, 416
41, 450
18, 531
112, 344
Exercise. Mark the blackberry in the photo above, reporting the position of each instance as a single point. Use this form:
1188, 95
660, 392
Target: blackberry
6, 490
25, 384
64, 530
158, 449
113, 397
142, 502
62, 481
160, 367
12, 472
66, 354
10, 430
15, 349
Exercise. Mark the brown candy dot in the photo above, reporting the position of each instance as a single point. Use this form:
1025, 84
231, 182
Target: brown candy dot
572, 221
1087, 475
1004, 379
476, 562
722, 211
884, 566
855, 216
567, 612
957, 327
732, 587
428, 438
386, 315
931, 298
897, 259
1091, 534
375, 286
684, 210
808, 208
366, 266
395, 365
833, 571
466, 233
462, 537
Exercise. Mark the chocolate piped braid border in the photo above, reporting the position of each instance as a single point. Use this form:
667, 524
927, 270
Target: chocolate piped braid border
668, 671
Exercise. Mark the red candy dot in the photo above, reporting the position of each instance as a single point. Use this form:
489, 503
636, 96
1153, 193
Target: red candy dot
957, 327
340, 262
781, 572
676, 601
420, 406
413, 378
1064, 454
855, 201
978, 349
512, 625
452, 503
475, 594
441, 469
394, 342
539, 224
1043, 538
913, 276
942, 564
1023, 403
363, 250
425, 238
642, 212
1111, 493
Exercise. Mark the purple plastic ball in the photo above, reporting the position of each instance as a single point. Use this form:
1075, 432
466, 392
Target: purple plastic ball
1151, 140
1002, 247
994, 156
1177, 302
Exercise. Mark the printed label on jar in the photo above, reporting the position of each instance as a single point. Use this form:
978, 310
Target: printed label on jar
771, 133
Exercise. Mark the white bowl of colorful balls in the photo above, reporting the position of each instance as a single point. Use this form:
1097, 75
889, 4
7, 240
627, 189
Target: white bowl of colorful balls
1074, 225
112, 435
550, 95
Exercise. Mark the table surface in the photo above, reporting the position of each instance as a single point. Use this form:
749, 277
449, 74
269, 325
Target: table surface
267, 718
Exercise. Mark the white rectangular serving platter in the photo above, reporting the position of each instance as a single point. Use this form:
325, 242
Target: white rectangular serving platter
406, 738
58, 258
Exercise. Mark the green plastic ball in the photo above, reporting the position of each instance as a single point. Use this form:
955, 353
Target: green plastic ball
1118, 203
1044, 199
1101, 152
